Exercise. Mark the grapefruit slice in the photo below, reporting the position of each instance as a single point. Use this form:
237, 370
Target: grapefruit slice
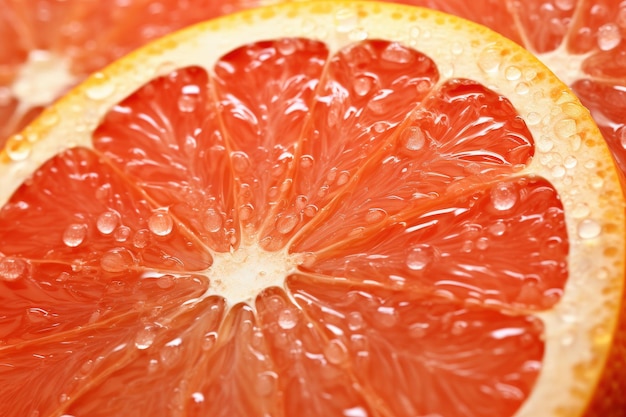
324, 208
48, 46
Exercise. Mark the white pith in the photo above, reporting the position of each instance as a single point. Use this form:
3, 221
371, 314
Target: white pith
578, 329
247, 271
41, 79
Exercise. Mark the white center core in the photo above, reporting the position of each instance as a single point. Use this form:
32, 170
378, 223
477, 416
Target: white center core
241, 275
42, 79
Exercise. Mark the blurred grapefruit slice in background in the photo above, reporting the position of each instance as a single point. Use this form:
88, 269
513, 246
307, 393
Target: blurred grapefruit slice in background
328, 208
48, 46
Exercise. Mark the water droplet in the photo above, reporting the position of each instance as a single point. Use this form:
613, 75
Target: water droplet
306, 161
589, 229
160, 223
171, 353
386, 316
141, 238
397, 53
209, 341
286, 223
504, 196
418, 330
165, 281
580, 210
498, 228
310, 210
266, 383
355, 321
457, 48
362, 85
459, 327
17, 148
533, 118
116, 260
565, 128
489, 60
482, 243
413, 138
306, 259
212, 221
609, 36
286, 46
420, 257
240, 162
145, 338
100, 87
122, 233
187, 102
336, 352
346, 20
74, 234
522, 88
375, 215
107, 222
565, 4
287, 319
513, 73
12, 268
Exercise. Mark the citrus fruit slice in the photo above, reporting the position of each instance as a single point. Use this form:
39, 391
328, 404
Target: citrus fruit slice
50, 45
323, 208
582, 41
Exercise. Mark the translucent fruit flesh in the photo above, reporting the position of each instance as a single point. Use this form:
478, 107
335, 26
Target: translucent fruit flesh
417, 248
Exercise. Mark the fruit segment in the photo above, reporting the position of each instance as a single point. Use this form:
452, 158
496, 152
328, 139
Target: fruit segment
166, 138
504, 244
93, 217
422, 355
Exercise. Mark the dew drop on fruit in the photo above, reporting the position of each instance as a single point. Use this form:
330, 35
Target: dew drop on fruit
171, 353
565, 128
145, 338
513, 73
565, 4
197, 397
386, 316
489, 60
286, 223
609, 36
419, 257
362, 85
141, 238
306, 162
413, 138
187, 103
498, 228
286, 46
100, 88
287, 319
17, 148
160, 223
265, 383
212, 220
209, 341
74, 234
121, 234
345, 20
240, 162
589, 229
116, 260
12, 268
397, 53
355, 321
504, 196
336, 352
482, 243
107, 222
375, 215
